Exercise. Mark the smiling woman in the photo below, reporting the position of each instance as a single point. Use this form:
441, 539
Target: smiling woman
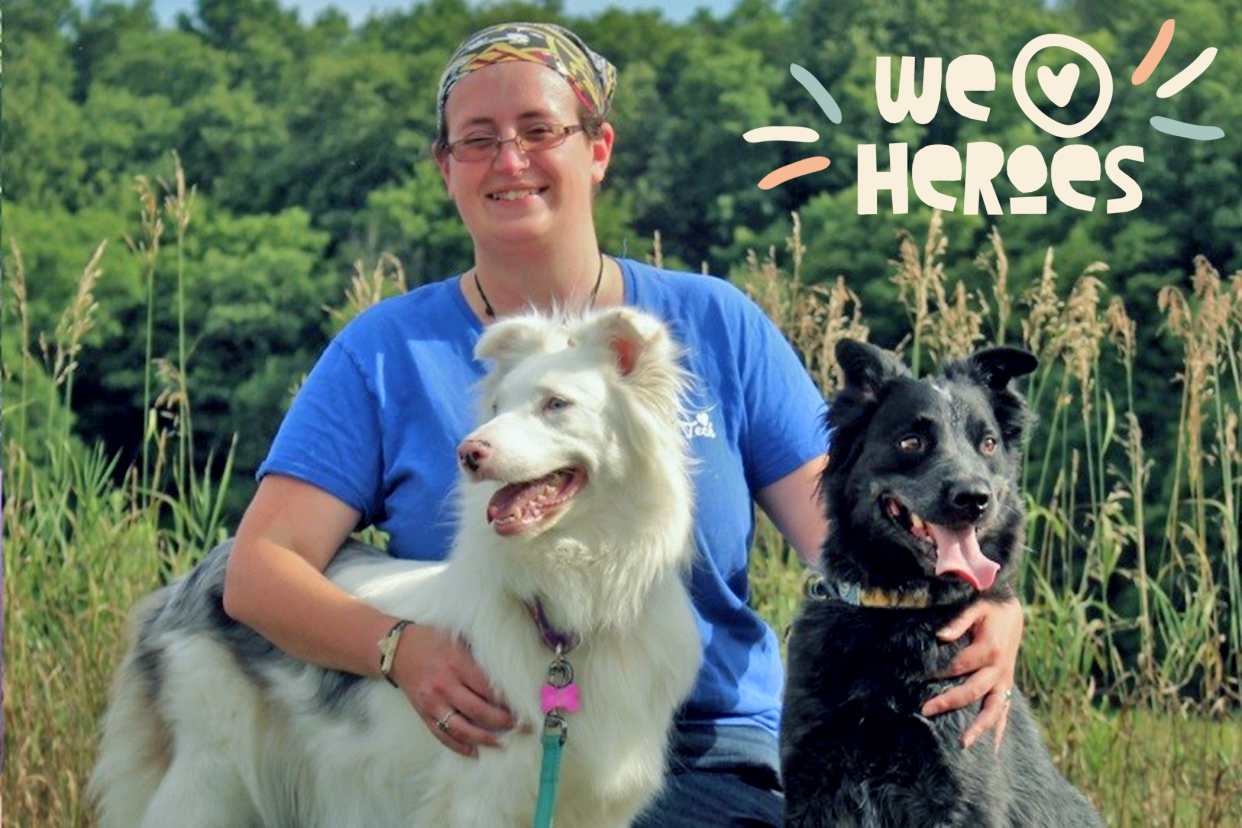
518, 195
523, 140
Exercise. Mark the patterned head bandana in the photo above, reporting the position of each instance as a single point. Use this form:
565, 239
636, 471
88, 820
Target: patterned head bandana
591, 76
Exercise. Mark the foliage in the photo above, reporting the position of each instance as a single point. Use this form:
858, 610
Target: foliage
306, 144
276, 117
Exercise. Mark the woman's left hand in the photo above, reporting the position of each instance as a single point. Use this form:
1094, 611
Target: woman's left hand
996, 632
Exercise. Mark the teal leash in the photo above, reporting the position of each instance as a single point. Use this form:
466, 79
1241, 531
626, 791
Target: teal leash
559, 696
554, 732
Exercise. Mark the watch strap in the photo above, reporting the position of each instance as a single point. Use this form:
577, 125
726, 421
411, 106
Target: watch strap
388, 649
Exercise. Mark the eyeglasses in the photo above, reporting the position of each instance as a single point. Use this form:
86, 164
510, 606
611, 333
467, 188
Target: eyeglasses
534, 138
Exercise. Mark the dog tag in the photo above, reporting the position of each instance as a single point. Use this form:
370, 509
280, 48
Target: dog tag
565, 698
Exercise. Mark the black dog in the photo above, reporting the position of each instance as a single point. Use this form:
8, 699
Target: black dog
926, 517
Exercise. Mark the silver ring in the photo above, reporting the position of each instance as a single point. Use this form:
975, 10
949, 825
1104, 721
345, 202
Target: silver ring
443, 724
1008, 695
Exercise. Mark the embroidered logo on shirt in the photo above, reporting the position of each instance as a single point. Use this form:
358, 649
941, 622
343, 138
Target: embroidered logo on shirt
700, 426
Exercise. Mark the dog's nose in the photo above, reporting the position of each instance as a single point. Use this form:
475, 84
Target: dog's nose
970, 497
472, 453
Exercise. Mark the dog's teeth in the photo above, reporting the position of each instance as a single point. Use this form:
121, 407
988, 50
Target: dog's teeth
893, 508
916, 522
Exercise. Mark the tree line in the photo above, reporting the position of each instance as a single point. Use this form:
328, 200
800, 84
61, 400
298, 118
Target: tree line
308, 144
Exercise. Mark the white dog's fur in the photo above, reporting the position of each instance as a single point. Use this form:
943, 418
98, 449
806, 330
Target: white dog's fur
211, 727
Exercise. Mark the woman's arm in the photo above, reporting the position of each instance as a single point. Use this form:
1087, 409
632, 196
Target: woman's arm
275, 584
794, 506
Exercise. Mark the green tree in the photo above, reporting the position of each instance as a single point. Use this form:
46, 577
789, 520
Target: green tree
103, 33
349, 132
43, 133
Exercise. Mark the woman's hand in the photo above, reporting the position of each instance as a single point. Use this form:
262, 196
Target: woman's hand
996, 633
438, 674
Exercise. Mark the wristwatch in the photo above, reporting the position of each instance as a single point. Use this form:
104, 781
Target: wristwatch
388, 649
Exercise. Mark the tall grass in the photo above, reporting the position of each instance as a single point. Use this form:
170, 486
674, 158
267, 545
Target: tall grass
81, 548
147, 248
1139, 696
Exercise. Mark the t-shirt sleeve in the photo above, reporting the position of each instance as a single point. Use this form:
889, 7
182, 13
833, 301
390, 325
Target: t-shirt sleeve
331, 436
784, 410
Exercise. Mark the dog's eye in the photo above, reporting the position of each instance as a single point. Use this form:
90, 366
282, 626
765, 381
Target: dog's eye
988, 446
910, 444
556, 404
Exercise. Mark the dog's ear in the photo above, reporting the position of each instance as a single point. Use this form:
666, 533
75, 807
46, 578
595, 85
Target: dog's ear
511, 340
631, 336
867, 367
644, 353
993, 368
997, 366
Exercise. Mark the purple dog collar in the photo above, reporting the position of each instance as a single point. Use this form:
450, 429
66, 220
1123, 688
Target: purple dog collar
554, 639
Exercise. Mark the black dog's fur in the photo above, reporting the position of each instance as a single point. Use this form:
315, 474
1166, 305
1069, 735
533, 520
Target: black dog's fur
855, 751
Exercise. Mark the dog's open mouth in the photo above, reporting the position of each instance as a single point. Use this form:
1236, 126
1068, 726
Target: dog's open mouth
519, 508
956, 549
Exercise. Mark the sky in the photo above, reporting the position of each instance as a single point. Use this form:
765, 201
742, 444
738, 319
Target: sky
358, 10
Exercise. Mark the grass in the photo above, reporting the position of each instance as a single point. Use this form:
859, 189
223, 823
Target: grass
1146, 768
1139, 697
64, 611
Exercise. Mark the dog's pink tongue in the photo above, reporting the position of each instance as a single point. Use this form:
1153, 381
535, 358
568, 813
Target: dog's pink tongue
958, 553
516, 496
509, 499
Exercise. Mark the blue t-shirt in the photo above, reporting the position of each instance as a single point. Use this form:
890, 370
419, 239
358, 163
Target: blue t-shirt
378, 421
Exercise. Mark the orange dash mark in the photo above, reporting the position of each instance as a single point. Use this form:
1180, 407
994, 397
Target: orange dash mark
804, 167
1143, 72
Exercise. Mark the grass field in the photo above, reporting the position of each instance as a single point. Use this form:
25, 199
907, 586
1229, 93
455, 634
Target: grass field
1139, 697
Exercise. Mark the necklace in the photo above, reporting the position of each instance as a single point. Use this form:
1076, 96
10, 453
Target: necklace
491, 313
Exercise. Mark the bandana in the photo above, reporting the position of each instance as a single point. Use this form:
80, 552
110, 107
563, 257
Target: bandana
590, 75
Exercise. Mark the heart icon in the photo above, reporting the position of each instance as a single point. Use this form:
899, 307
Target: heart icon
1059, 87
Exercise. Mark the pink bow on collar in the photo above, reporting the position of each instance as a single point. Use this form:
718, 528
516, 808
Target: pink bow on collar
559, 698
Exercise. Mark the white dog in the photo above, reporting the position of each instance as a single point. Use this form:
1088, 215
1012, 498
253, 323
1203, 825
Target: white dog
577, 502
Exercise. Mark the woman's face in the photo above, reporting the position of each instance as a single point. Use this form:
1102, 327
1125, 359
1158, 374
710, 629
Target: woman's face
549, 192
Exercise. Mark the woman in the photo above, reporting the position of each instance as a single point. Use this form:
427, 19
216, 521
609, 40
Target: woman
523, 142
